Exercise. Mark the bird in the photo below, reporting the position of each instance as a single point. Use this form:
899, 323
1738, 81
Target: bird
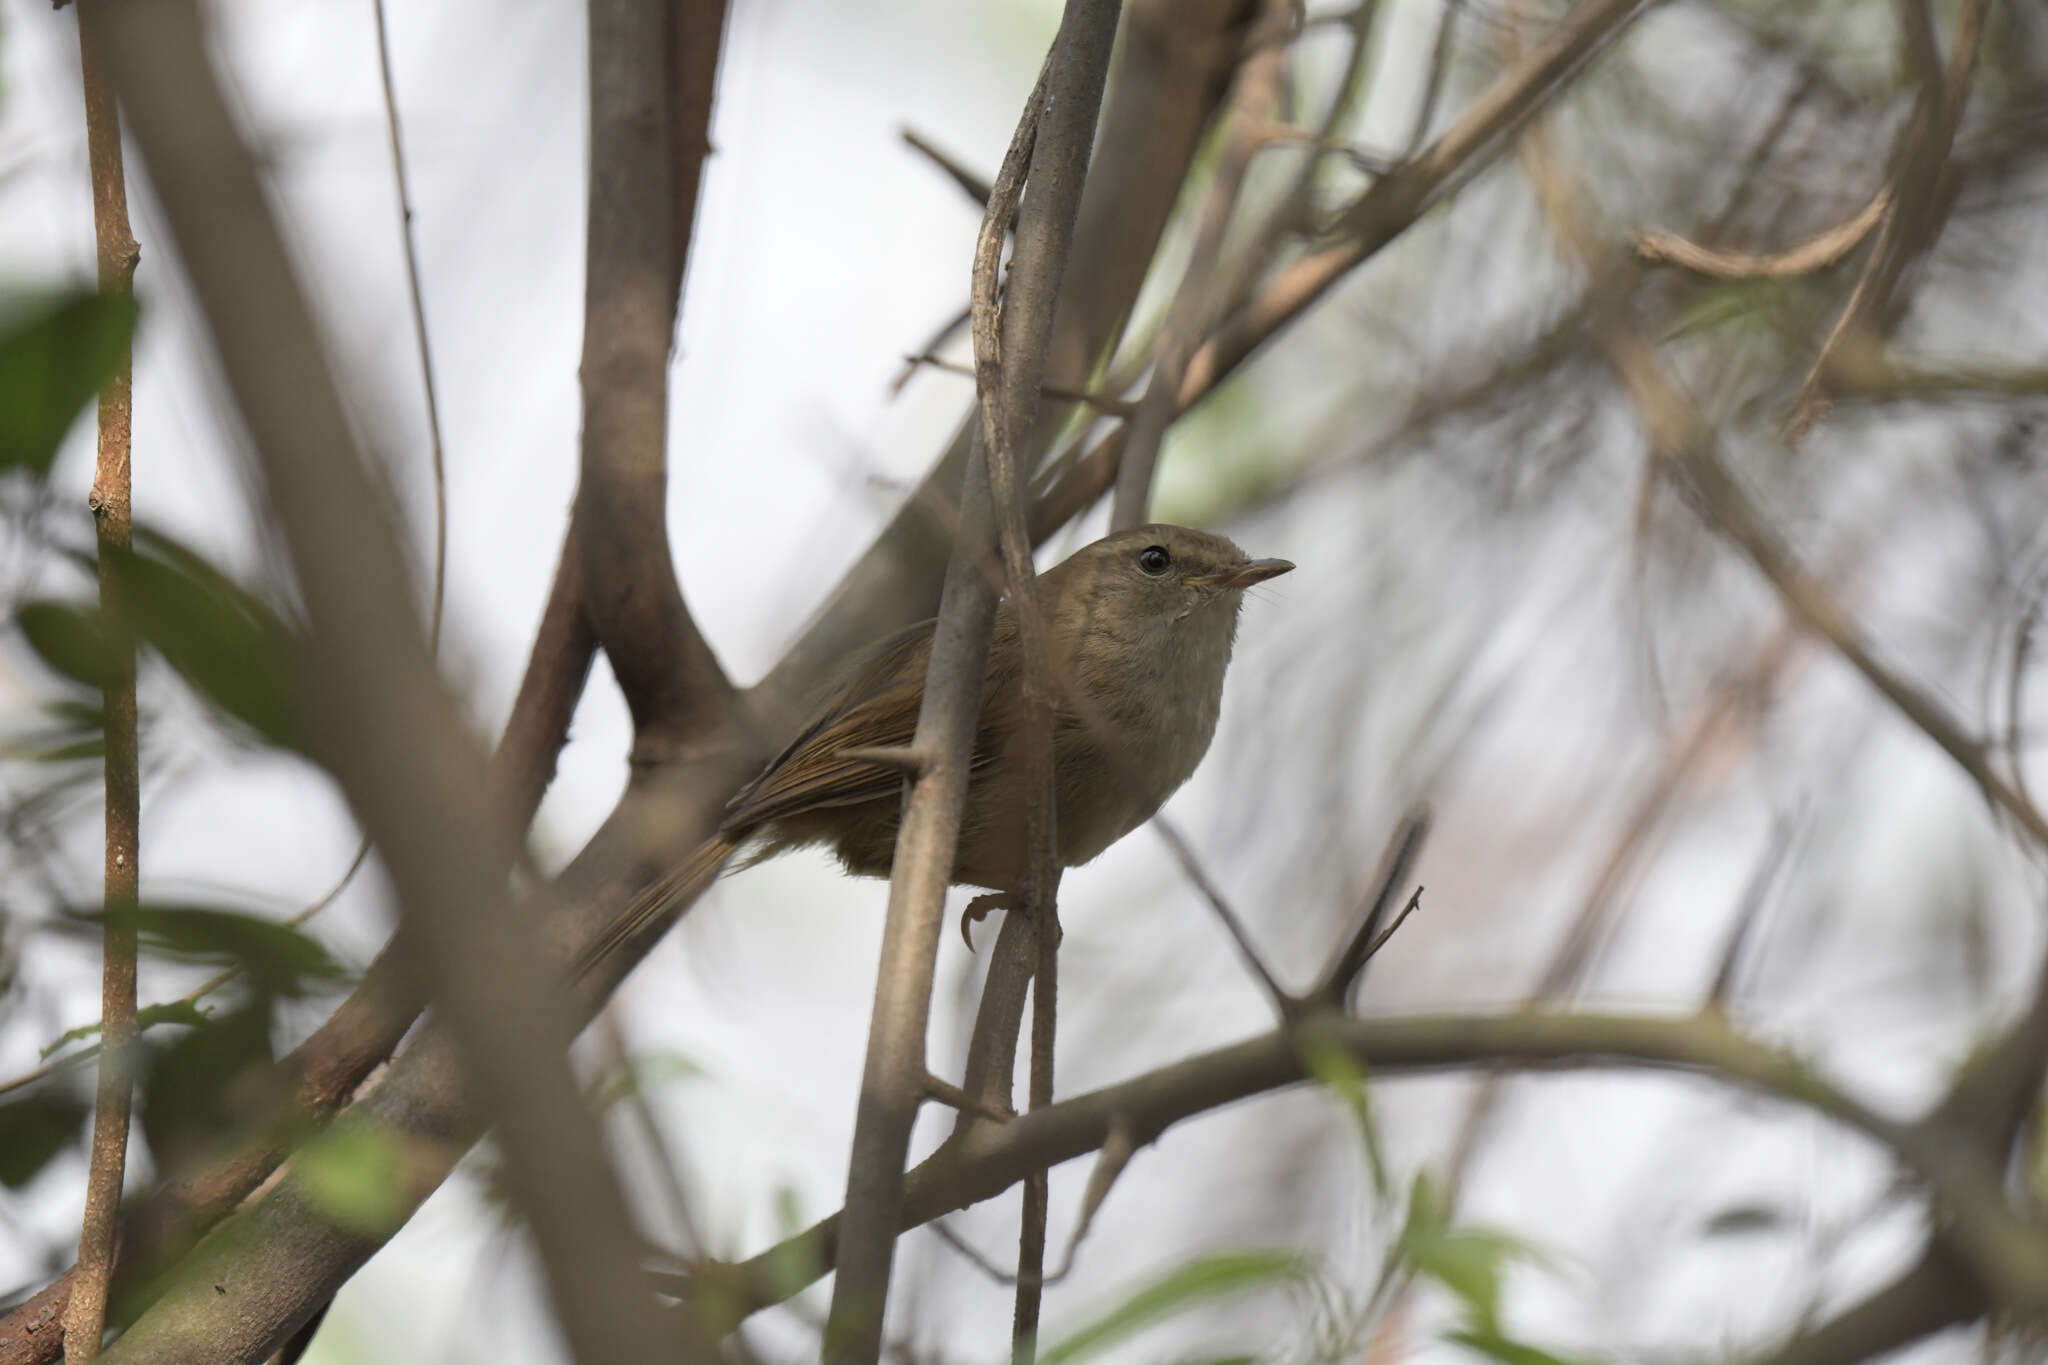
1140, 627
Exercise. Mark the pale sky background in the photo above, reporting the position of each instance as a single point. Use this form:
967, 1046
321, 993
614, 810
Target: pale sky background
824, 251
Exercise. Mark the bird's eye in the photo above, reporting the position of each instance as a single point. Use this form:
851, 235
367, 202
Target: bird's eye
1154, 560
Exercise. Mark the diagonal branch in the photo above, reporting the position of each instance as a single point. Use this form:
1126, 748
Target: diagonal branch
1254, 98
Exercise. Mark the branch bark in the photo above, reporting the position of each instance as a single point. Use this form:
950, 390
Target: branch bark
380, 719
985, 1160
652, 67
113, 523
1058, 137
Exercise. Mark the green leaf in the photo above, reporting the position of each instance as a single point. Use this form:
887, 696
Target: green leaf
278, 959
1724, 303
71, 639
215, 1081
222, 639
1505, 1349
1198, 1281
1338, 1070
52, 362
1468, 1261
354, 1170
146, 1018
32, 1131
75, 730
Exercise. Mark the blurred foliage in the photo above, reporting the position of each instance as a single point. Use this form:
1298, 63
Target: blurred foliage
35, 1129
354, 1170
276, 960
1199, 1282
1470, 1262
55, 354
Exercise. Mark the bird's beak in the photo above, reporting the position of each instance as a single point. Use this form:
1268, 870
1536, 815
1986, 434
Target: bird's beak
1240, 576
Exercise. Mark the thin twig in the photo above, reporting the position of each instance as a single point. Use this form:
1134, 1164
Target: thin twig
1106, 403
1255, 94
419, 321
971, 183
1915, 213
1341, 974
1439, 73
1823, 251
1233, 923
113, 522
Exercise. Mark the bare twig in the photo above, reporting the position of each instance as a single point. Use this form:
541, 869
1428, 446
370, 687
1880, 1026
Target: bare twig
1915, 213
1821, 252
419, 321
1106, 403
113, 522
556, 672
1009, 364
1233, 923
1341, 974
1255, 95
971, 183
1439, 74
1399, 199
892, 1082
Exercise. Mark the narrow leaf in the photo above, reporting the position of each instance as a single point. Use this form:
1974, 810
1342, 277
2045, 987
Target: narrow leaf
71, 639
52, 362
1197, 1282
31, 1132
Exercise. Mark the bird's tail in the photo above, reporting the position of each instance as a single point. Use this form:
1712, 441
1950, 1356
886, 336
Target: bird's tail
661, 904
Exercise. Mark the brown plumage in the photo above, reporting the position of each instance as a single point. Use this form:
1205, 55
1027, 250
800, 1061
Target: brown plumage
1141, 625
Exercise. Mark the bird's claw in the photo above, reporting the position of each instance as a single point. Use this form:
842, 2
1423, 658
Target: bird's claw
978, 910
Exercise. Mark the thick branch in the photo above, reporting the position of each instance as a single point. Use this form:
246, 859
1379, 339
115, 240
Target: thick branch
641, 156
378, 716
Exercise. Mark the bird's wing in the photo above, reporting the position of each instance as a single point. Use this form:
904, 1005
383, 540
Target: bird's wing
876, 708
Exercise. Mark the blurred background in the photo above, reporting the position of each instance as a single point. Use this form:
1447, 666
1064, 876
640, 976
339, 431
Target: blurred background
1650, 786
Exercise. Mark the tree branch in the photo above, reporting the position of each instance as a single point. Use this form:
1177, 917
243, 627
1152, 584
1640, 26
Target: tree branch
642, 158
377, 713
986, 1159
1255, 95
1057, 136
113, 523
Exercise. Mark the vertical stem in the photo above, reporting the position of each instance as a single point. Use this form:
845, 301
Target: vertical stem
85, 1318
892, 1083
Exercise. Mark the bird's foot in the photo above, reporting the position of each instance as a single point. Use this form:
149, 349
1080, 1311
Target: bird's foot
978, 910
